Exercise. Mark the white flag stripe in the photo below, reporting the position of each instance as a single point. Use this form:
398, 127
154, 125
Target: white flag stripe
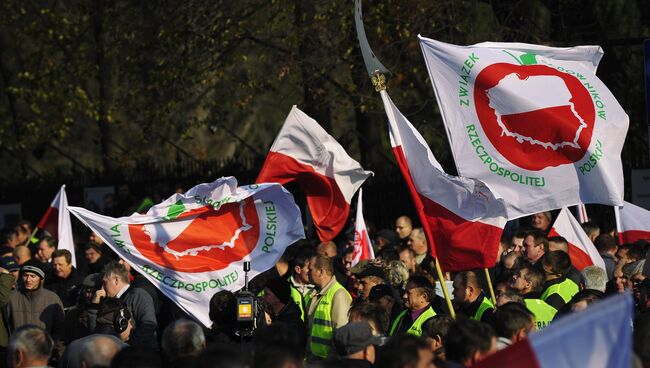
303, 139
568, 227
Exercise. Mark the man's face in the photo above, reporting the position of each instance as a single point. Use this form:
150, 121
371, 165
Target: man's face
92, 255
460, 292
365, 284
111, 286
532, 251
518, 281
540, 221
414, 298
406, 257
95, 238
622, 257
13, 241
44, 251
31, 281
416, 242
302, 273
402, 228
347, 260
620, 281
62, 268
517, 244
315, 275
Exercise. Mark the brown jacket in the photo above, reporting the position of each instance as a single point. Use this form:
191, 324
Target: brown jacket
39, 307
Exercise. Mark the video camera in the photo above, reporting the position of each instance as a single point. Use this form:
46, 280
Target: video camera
250, 313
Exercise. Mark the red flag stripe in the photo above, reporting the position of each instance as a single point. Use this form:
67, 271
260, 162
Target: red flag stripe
327, 204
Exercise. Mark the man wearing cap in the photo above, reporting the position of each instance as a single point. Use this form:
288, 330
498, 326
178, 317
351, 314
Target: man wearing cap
66, 280
418, 295
31, 304
355, 344
10, 264
277, 294
370, 276
386, 297
76, 318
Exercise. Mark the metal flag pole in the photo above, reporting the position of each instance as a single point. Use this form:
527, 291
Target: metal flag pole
377, 73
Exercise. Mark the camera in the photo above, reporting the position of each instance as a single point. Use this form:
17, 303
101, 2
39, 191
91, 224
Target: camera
249, 308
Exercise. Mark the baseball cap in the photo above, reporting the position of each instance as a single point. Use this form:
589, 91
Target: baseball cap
92, 281
354, 337
9, 264
379, 291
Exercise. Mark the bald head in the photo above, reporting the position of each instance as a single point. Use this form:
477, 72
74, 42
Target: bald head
327, 249
403, 226
99, 350
22, 254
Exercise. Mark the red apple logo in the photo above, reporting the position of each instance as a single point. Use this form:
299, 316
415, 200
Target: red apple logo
534, 115
202, 239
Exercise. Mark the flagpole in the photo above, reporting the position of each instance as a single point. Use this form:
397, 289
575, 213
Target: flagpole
443, 285
489, 282
31, 236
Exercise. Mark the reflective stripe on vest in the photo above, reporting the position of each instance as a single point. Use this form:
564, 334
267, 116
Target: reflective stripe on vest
543, 312
416, 327
320, 340
565, 289
297, 297
485, 305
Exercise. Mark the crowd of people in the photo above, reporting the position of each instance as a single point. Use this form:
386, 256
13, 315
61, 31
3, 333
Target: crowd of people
314, 308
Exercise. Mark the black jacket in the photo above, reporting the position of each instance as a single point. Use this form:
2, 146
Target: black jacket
67, 289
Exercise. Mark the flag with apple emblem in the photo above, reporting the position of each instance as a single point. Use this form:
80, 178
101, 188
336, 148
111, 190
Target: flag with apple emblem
532, 122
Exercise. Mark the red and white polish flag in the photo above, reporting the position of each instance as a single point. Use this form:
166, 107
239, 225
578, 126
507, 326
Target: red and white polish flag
195, 244
303, 152
460, 216
599, 337
634, 223
56, 221
362, 244
582, 251
533, 122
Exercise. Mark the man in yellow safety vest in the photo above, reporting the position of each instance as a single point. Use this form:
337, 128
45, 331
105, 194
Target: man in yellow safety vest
417, 297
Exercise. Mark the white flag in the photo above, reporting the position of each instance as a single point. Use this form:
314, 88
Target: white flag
532, 122
362, 244
582, 251
56, 221
194, 244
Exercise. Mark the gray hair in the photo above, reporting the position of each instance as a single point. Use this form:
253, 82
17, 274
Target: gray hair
99, 350
594, 278
117, 269
33, 341
397, 273
633, 268
183, 338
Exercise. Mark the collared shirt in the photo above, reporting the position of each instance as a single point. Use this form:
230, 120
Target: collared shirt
122, 291
503, 342
340, 305
416, 313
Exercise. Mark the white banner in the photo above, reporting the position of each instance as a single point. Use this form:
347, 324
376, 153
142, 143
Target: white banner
194, 244
532, 122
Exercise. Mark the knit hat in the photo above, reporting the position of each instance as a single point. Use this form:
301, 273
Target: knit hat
33, 266
280, 288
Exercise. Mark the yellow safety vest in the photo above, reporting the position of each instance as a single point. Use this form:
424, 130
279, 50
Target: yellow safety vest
565, 289
297, 298
416, 327
543, 312
485, 305
320, 341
